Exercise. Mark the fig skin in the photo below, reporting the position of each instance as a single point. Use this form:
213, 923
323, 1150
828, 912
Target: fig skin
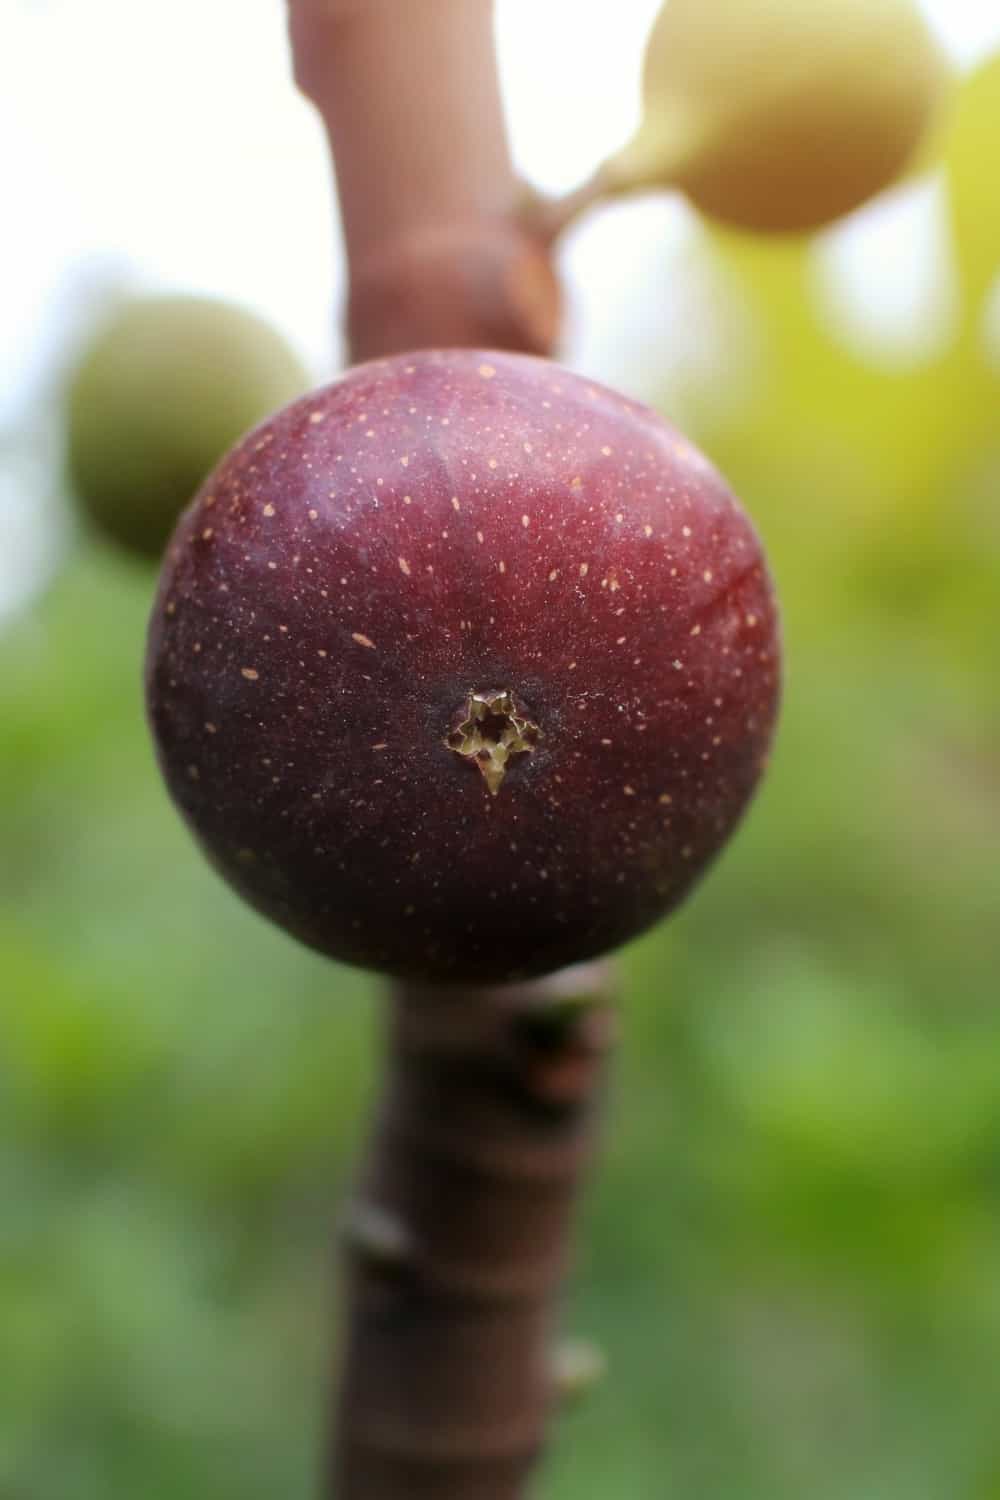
429, 528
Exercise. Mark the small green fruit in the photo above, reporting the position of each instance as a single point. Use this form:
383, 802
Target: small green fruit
163, 391
781, 115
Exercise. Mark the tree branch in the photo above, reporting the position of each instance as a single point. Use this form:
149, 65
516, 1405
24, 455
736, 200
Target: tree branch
457, 1239
409, 96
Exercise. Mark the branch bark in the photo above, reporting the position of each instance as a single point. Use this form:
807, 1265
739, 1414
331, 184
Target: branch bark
457, 1239
409, 97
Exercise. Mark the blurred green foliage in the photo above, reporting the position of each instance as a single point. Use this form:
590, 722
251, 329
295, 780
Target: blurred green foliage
792, 1253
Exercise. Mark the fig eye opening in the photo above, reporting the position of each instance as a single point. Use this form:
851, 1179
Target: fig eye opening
493, 727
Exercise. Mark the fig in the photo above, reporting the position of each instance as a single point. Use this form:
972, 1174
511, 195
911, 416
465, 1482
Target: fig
781, 115
463, 667
165, 387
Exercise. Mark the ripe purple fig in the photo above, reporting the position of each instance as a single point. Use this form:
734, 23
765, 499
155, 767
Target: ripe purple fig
463, 667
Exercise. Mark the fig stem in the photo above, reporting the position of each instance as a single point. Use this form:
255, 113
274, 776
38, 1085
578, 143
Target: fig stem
487, 1121
547, 218
457, 1238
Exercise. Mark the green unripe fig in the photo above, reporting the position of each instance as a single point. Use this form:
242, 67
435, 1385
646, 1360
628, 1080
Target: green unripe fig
781, 115
164, 389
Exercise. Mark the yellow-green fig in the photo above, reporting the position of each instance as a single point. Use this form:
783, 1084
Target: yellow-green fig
781, 115
164, 389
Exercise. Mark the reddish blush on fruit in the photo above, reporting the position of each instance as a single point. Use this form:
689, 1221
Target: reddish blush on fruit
463, 668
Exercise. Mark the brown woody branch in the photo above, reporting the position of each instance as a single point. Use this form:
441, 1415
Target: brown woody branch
408, 93
457, 1239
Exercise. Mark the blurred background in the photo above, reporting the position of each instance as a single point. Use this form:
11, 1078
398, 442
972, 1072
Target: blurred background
791, 1255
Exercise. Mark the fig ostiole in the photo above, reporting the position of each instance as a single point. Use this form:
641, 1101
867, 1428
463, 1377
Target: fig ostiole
463, 667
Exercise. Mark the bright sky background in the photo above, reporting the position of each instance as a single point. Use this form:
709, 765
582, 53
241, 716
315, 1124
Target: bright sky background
162, 145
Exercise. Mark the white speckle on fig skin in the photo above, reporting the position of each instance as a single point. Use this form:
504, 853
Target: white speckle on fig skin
423, 585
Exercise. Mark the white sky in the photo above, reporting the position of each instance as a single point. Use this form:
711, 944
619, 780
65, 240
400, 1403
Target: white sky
163, 146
